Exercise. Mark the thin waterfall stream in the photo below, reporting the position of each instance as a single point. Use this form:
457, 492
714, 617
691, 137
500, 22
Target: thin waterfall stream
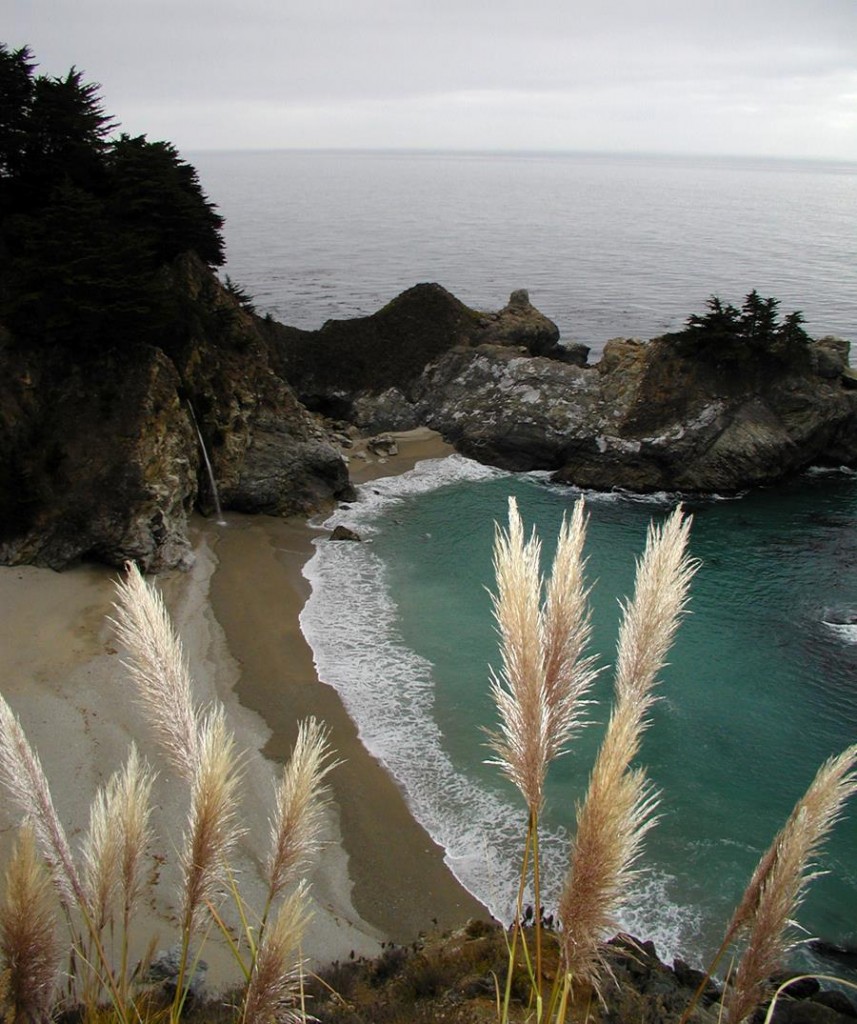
217, 509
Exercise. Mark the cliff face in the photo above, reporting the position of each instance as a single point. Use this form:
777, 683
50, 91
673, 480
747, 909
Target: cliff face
99, 455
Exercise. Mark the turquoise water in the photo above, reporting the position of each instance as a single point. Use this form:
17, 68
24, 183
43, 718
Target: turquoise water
761, 686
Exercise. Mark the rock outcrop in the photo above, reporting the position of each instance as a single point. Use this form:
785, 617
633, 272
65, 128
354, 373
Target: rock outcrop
99, 455
649, 416
646, 418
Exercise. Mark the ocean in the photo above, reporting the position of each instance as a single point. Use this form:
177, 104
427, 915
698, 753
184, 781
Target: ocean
762, 681
606, 245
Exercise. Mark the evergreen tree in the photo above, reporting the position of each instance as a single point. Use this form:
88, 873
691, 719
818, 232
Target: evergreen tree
88, 224
16, 99
725, 333
155, 194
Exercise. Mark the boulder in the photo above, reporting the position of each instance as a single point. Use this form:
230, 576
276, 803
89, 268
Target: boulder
519, 323
341, 532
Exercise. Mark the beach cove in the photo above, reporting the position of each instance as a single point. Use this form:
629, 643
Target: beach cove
380, 877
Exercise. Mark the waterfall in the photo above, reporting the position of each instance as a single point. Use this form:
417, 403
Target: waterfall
218, 510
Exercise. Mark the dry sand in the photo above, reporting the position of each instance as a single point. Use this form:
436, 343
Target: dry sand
379, 877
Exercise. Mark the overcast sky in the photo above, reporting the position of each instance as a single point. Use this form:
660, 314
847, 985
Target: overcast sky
766, 77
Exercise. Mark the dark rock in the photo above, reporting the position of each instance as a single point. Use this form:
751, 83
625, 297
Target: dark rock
830, 357
801, 988
837, 1001
646, 418
576, 353
332, 367
691, 978
519, 323
843, 953
805, 1011
97, 460
164, 970
344, 533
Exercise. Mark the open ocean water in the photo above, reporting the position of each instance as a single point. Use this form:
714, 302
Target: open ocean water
762, 684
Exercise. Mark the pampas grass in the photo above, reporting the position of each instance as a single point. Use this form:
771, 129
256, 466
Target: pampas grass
299, 806
272, 992
779, 883
544, 678
199, 745
618, 809
540, 694
28, 942
158, 668
23, 776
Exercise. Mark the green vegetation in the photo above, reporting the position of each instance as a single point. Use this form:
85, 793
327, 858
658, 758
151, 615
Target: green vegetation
726, 333
89, 222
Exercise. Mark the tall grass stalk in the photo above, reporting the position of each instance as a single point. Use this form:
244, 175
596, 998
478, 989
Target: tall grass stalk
543, 681
113, 869
618, 809
28, 941
299, 806
23, 776
199, 745
212, 831
159, 669
134, 795
779, 883
276, 971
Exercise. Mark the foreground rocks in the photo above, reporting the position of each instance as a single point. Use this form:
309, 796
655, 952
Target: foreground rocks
453, 979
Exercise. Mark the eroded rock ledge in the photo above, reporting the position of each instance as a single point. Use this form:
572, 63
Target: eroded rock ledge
99, 454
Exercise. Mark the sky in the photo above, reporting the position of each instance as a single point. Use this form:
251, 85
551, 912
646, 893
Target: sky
727, 77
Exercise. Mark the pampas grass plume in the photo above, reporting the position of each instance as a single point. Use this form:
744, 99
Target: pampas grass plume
779, 883
22, 773
271, 992
300, 801
540, 690
213, 828
28, 932
618, 809
158, 668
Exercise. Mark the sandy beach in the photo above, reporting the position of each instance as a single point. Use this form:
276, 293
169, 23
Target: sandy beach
379, 876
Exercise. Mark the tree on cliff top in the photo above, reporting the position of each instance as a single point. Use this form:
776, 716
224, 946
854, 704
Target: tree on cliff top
88, 223
726, 333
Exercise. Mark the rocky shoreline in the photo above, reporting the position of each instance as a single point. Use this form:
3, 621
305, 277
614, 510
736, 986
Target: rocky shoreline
101, 455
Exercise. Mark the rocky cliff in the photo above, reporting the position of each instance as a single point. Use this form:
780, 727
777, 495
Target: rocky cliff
662, 415
100, 458
99, 454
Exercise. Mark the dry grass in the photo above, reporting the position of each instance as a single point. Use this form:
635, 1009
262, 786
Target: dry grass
779, 883
108, 884
28, 929
619, 806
